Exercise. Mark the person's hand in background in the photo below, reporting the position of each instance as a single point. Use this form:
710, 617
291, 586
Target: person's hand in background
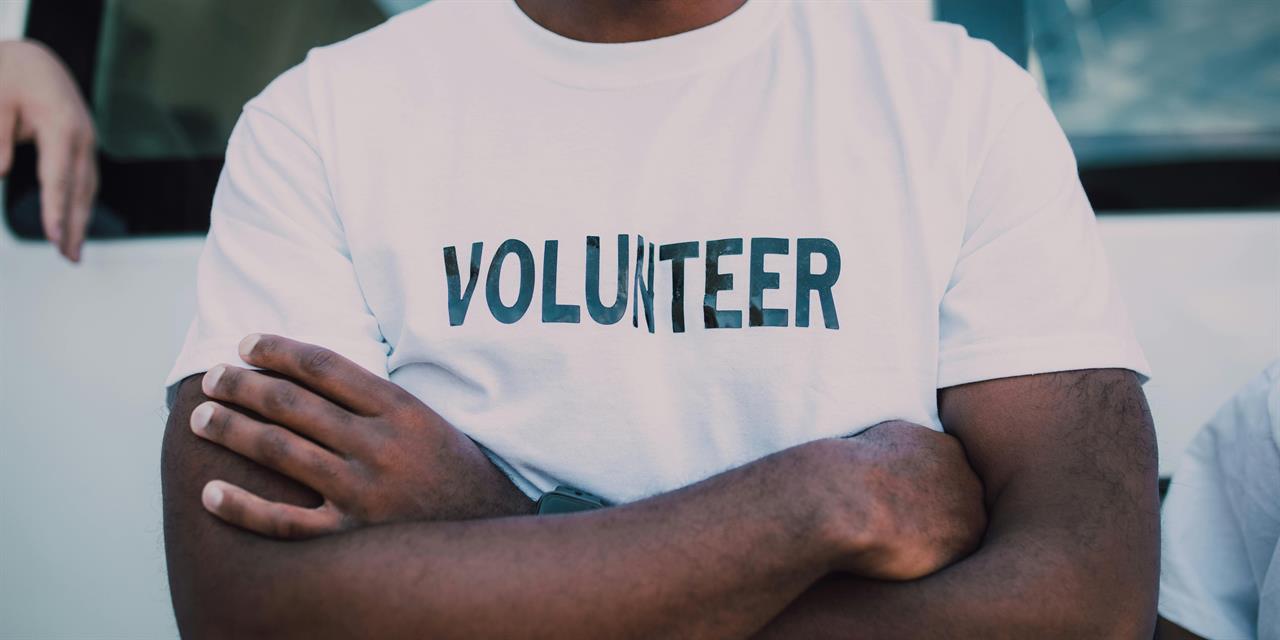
39, 102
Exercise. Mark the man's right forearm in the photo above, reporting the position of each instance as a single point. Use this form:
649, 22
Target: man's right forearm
717, 559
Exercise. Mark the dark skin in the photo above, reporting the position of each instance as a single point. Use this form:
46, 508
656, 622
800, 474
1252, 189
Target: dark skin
625, 20
1070, 551
1068, 461
377, 559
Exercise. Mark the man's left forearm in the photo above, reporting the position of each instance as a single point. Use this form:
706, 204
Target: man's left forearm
1027, 581
1072, 544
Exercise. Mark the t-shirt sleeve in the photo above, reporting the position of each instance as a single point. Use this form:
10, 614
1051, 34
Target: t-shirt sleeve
1030, 291
276, 258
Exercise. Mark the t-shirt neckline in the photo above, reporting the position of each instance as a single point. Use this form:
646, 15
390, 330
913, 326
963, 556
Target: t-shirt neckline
619, 65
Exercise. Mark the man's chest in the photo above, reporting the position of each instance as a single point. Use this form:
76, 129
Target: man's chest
751, 220
755, 282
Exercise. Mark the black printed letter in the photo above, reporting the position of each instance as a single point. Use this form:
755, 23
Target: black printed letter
677, 253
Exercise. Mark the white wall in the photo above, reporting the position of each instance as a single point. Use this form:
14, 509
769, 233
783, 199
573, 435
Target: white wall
1203, 291
82, 353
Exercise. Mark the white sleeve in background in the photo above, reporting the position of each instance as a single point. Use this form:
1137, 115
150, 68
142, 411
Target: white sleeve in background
276, 259
1220, 564
1031, 291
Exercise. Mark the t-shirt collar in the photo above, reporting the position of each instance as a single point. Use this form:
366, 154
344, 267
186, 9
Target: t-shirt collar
619, 65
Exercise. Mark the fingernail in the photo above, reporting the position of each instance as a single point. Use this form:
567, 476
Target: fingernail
200, 417
246, 345
211, 378
211, 496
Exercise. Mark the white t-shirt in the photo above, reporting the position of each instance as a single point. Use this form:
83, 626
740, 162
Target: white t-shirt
850, 209
1220, 573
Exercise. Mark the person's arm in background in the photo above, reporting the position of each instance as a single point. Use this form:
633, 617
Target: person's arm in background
40, 102
1220, 561
1068, 461
717, 559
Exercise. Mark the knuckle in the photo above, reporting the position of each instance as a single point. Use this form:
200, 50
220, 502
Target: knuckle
357, 512
58, 182
347, 493
325, 470
317, 361
380, 438
60, 127
281, 398
399, 404
340, 417
64, 131
350, 518
272, 448
402, 400
337, 417
334, 520
380, 430
85, 187
282, 525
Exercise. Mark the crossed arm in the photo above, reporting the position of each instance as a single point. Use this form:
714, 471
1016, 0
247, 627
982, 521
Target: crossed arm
1072, 548
774, 547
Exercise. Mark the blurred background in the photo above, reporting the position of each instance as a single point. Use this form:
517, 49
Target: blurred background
1173, 107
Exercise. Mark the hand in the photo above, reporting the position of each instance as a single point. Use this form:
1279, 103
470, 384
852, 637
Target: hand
372, 450
905, 501
39, 101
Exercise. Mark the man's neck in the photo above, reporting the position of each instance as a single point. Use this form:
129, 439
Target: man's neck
625, 20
